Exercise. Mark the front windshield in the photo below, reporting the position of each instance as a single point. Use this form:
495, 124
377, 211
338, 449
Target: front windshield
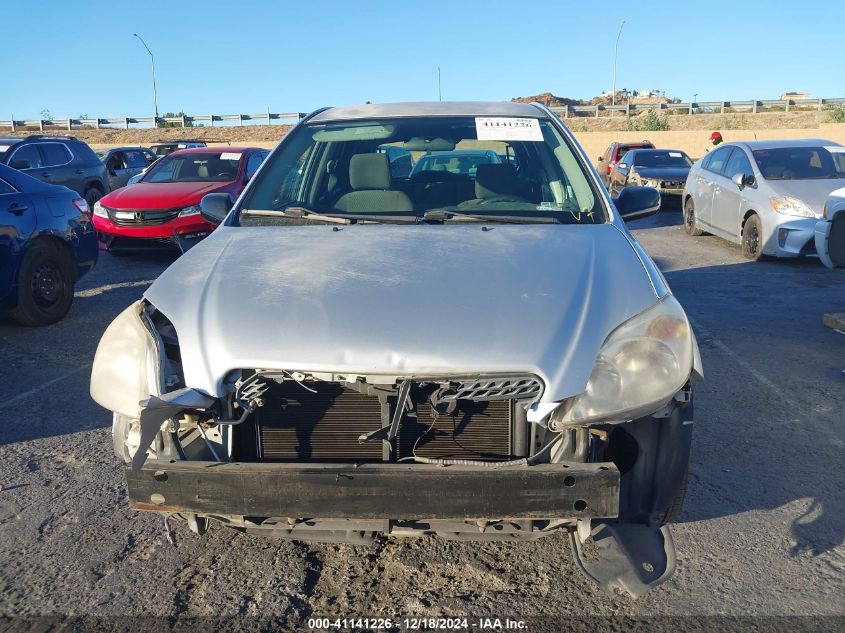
465, 167
801, 163
667, 159
195, 167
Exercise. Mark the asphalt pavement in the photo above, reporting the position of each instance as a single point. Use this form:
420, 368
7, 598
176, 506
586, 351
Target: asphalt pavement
761, 533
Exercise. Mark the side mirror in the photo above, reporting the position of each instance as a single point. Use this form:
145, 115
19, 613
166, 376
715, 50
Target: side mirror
214, 207
743, 180
20, 164
634, 203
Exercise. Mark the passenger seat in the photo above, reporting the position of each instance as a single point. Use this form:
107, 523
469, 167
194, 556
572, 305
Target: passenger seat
369, 177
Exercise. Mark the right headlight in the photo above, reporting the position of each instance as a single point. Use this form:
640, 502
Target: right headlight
641, 366
792, 206
126, 366
100, 210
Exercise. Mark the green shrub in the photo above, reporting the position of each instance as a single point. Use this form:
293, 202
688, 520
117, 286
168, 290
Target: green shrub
651, 122
837, 115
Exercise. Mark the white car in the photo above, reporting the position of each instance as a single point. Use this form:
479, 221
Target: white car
765, 195
830, 231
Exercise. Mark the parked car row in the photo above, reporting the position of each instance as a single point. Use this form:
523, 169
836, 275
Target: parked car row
767, 196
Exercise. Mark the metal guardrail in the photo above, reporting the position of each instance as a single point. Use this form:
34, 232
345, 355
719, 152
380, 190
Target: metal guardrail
124, 122
751, 106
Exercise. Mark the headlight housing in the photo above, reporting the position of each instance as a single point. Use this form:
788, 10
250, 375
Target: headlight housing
194, 209
100, 210
126, 366
640, 367
792, 206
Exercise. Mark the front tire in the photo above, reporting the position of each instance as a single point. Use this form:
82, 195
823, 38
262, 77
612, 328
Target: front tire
690, 222
752, 238
91, 196
45, 285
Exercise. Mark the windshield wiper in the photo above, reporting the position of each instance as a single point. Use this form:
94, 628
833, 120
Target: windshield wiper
444, 215
301, 213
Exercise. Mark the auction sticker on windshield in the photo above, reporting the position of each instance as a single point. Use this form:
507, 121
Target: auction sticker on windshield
507, 129
230, 156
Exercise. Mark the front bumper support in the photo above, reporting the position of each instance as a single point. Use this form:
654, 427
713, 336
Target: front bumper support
376, 491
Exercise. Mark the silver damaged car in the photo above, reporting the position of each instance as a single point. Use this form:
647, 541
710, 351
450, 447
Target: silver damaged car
359, 350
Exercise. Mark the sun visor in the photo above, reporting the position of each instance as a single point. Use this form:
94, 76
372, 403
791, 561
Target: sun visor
356, 133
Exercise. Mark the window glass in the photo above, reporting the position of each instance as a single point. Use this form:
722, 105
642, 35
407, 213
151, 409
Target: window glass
738, 164
800, 163
344, 167
134, 159
55, 154
660, 158
253, 164
195, 167
716, 161
5, 187
26, 157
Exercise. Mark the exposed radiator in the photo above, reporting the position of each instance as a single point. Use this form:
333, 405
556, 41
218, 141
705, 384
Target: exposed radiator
297, 425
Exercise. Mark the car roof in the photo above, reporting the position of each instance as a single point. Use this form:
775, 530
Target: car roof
427, 109
213, 150
122, 148
652, 150
783, 143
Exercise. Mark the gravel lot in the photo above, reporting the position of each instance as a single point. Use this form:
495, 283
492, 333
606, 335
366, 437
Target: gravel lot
761, 533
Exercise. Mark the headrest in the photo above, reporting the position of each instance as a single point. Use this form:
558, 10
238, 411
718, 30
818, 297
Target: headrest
369, 171
202, 171
495, 179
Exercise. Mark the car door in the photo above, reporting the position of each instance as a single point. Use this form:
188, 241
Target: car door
134, 162
618, 177
17, 222
58, 170
705, 183
729, 204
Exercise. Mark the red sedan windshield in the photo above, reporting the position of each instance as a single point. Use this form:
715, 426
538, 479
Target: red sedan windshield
195, 167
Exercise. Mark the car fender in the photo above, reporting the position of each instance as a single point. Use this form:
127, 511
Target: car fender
829, 232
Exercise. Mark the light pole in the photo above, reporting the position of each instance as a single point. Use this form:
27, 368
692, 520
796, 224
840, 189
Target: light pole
153, 67
615, 56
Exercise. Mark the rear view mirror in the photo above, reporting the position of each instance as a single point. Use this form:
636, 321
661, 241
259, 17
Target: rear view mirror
214, 207
634, 203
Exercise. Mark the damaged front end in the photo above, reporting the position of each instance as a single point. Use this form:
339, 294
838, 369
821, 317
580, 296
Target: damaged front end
343, 457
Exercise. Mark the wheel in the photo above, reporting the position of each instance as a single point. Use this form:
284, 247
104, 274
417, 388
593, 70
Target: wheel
45, 285
690, 223
752, 238
674, 510
91, 196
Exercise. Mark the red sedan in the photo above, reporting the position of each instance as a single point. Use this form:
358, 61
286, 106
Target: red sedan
162, 209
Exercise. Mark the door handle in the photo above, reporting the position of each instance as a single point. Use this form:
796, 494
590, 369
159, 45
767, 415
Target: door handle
17, 209
79, 172
45, 174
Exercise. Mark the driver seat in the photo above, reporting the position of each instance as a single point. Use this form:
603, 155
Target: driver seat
369, 177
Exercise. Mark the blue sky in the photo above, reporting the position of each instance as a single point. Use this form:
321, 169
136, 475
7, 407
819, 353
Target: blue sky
216, 57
